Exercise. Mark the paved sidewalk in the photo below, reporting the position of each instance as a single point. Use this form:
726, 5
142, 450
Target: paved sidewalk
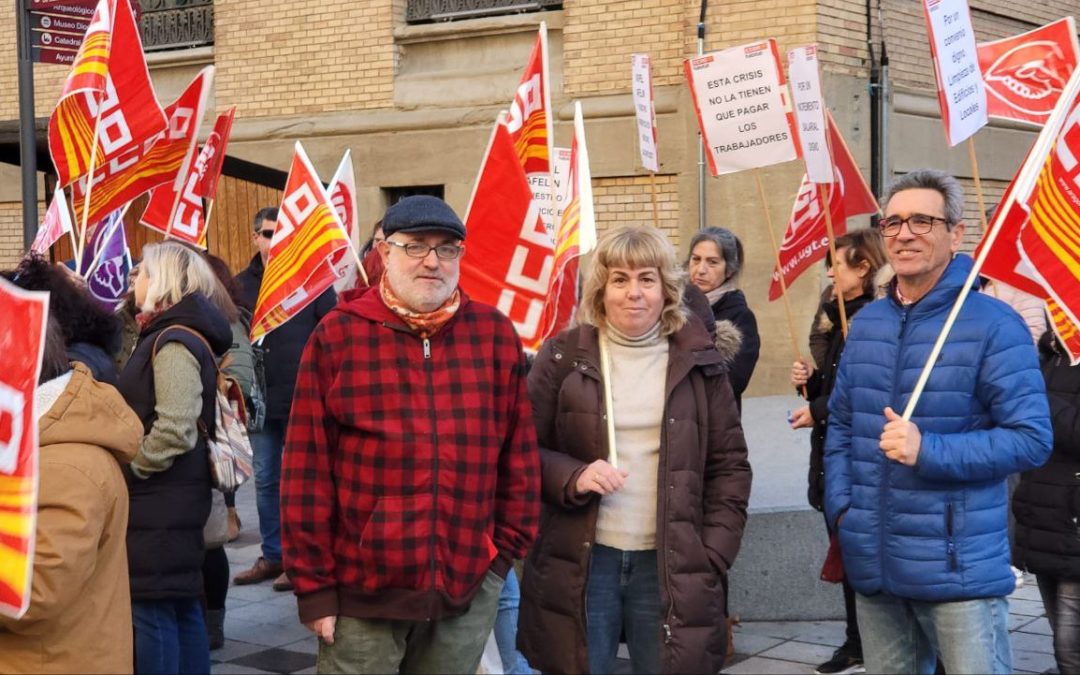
264, 635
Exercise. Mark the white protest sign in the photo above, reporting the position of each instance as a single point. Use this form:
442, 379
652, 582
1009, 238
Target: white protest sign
961, 91
810, 113
742, 107
560, 172
641, 70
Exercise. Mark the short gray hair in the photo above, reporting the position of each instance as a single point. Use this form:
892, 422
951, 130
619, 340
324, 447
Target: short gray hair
931, 179
727, 243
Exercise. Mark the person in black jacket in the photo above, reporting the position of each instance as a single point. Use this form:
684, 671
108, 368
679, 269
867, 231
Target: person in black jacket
170, 382
860, 255
1047, 509
281, 350
716, 260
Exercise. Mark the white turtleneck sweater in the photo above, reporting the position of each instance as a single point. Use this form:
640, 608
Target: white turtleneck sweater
627, 519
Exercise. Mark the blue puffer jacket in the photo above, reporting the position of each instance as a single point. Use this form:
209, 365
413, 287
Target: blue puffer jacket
935, 531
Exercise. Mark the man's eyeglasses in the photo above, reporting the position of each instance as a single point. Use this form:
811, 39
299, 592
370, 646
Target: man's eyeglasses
917, 223
267, 234
416, 249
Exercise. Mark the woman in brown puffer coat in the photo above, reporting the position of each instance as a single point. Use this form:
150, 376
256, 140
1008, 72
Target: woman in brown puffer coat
634, 541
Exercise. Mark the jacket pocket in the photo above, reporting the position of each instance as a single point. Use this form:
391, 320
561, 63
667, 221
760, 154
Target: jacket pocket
395, 544
950, 536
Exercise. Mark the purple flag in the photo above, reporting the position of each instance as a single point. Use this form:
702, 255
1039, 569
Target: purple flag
105, 261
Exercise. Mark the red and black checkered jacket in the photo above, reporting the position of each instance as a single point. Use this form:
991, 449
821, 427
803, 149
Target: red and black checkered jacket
410, 467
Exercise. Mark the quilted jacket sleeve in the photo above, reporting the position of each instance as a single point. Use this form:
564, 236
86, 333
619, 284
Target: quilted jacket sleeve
558, 471
727, 477
1011, 387
838, 448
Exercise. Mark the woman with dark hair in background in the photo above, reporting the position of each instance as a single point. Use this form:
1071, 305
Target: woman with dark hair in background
860, 257
715, 265
91, 332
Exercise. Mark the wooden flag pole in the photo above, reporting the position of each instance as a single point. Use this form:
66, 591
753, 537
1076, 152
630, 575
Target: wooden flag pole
827, 188
988, 243
780, 268
206, 232
89, 189
609, 406
655, 208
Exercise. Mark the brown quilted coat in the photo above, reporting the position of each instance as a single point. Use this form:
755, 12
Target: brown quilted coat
703, 487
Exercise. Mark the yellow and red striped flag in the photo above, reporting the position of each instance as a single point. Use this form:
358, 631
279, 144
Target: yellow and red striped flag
529, 122
109, 90
308, 233
150, 164
576, 235
22, 342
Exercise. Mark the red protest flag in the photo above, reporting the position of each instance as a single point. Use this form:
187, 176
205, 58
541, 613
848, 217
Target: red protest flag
1026, 74
158, 160
108, 90
178, 213
806, 241
575, 236
510, 258
529, 123
308, 233
56, 224
22, 343
342, 191
1003, 261
214, 148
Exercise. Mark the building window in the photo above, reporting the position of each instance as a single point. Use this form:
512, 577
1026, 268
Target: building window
396, 194
425, 11
176, 24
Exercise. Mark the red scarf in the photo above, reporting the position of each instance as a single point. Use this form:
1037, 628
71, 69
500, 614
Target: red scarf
425, 324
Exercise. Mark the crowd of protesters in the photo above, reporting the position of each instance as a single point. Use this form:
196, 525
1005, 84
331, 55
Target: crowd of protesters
413, 463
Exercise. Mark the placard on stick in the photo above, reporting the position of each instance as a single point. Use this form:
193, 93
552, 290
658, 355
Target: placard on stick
810, 113
743, 110
961, 90
641, 71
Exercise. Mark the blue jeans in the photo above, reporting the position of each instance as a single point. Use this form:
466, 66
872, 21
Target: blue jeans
267, 445
506, 622
623, 594
170, 637
905, 636
1061, 598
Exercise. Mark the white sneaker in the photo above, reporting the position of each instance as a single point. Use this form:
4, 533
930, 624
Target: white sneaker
1019, 574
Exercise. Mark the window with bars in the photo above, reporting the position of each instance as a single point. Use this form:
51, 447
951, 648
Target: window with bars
426, 11
176, 24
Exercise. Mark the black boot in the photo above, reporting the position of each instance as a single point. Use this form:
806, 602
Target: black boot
215, 628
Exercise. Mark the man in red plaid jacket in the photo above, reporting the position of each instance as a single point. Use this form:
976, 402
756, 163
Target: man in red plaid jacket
410, 479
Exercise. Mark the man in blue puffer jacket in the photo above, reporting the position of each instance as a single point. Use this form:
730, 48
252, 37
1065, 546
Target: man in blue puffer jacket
921, 506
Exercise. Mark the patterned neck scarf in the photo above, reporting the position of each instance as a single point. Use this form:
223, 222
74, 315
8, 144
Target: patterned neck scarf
425, 324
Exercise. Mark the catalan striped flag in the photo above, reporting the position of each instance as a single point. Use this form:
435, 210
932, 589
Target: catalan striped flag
161, 159
529, 123
22, 334
307, 235
576, 234
108, 89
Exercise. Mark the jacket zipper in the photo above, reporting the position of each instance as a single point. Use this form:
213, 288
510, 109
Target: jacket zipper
887, 469
434, 464
665, 561
950, 544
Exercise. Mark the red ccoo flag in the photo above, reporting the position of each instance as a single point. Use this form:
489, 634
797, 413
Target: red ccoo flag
806, 240
214, 149
56, 224
511, 256
109, 89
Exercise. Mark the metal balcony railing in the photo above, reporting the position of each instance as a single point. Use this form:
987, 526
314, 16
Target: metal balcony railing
176, 24
424, 11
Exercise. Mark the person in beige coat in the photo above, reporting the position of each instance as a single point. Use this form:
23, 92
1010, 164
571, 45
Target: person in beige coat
79, 618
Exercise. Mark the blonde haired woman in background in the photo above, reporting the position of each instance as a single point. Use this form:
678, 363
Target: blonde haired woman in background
170, 382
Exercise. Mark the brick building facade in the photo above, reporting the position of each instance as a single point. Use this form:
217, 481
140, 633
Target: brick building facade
415, 103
